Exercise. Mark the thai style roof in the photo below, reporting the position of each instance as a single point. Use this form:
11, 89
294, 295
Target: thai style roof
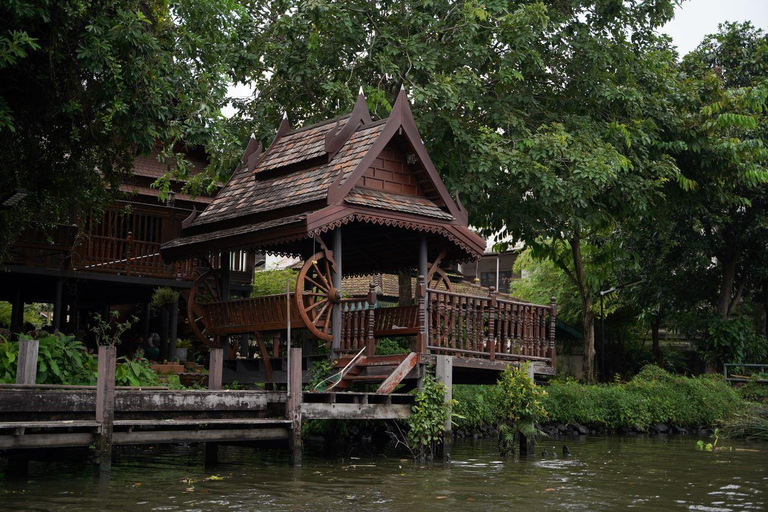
374, 178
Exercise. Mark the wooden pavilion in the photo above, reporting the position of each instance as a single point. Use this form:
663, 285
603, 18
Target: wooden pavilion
354, 196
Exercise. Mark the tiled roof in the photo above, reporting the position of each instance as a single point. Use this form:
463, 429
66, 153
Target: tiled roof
153, 192
298, 146
232, 232
396, 202
245, 195
149, 167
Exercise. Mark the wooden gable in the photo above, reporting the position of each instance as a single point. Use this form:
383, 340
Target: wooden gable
390, 172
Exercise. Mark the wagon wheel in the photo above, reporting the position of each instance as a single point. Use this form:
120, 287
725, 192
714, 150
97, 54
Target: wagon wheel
205, 289
316, 297
438, 280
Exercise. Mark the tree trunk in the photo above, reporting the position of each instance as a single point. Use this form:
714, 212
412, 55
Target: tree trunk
588, 326
655, 324
729, 261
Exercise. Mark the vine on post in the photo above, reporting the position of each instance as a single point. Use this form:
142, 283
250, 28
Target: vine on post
428, 420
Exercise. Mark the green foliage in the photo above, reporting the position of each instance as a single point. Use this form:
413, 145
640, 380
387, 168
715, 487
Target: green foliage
752, 391
428, 420
319, 371
60, 360
476, 406
108, 332
653, 396
31, 314
733, 340
101, 82
273, 282
393, 346
750, 423
520, 408
135, 372
163, 296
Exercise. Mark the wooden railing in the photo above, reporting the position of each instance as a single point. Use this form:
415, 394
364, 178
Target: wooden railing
253, 314
488, 327
358, 317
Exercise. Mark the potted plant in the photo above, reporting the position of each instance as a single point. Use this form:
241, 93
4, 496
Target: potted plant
182, 347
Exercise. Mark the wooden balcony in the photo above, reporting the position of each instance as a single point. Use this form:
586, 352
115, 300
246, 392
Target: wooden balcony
125, 241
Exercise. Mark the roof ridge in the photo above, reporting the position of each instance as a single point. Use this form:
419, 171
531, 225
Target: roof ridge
318, 124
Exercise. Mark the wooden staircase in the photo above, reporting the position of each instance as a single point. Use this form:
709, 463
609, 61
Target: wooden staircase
387, 371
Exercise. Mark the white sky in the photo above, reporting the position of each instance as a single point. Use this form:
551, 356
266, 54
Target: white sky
693, 20
697, 18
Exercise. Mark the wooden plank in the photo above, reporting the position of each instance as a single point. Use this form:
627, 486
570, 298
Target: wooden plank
356, 411
46, 441
195, 436
202, 422
49, 424
397, 376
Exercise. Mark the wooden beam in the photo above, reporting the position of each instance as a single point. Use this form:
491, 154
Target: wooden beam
215, 368
195, 436
397, 376
356, 411
105, 406
293, 409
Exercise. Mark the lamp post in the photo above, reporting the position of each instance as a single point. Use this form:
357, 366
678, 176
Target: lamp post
602, 329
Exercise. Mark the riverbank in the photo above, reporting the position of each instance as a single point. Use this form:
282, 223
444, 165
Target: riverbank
654, 401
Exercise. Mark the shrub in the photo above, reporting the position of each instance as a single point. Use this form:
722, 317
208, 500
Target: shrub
392, 346
428, 419
272, 282
520, 407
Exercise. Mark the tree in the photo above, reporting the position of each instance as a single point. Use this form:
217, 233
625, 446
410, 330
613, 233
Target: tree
546, 116
85, 86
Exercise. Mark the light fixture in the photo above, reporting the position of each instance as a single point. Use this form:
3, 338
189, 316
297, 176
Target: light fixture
14, 198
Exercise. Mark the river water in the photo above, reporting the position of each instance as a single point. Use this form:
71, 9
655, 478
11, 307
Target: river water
602, 473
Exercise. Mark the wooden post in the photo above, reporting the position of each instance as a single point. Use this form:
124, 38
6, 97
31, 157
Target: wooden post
105, 407
552, 324
370, 341
174, 328
492, 324
421, 295
293, 407
26, 365
336, 315
444, 374
57, 305
215, 368
147, 314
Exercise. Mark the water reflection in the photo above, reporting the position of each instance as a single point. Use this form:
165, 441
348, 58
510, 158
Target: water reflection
601, 474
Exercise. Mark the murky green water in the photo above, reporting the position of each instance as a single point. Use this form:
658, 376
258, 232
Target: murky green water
601, 474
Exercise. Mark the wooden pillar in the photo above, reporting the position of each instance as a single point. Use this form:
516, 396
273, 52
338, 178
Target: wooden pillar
421, 296
57, 305
164, 321
552, 326
423, 271
174, 328
370, 341
147, 314
444, 374
17, 313
336, 318
105, 407
26, 365
226, 294
293, 407
244, 346
215, 368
